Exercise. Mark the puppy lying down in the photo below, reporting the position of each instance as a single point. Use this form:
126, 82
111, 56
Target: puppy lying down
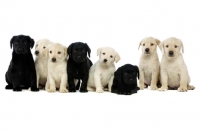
174, 72
125, 80
102, 72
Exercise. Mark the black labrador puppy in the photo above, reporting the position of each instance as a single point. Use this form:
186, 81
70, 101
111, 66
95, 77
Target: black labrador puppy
78, 65
21, 73
125, 80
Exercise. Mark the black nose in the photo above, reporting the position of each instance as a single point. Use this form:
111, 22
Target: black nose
20, 49
79, 57
53, 59
105, 60
147, 49
130, 80
171, 52
36, 52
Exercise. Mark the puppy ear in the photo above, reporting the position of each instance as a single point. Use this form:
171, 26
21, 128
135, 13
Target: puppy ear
117, 57
46, 52
65, 51
11, 41
69, 49
99, 51
157, 41
137, 70
181, 43
88, 49
117, 74
161, 46
31, 42
139, 45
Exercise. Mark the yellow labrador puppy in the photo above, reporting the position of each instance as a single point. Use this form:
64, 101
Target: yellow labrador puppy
57, 68
41, 62
149, 65
174, 73
101, 74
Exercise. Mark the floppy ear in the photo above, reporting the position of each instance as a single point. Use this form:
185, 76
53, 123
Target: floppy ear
69, 49
31, 42
46, 52
161, 46
181, 43
11, 41
117, 74
139, 45
99, 51
137, 70
65, 51
157, 41
88, 49
117, 57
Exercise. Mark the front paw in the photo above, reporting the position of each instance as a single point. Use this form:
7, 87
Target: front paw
34, 89
162, 89
63, 90
17, 89
141, 87
83, 90
72, 90
182, 89
190, 87
154, 88
51, 90
99, 90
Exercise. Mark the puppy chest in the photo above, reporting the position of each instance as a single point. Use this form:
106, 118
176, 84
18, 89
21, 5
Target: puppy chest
105, 78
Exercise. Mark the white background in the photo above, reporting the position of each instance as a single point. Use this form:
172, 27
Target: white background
120, 24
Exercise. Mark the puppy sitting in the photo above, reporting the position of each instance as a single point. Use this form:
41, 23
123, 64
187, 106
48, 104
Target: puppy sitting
174, 73
41, 62
78, 65
101, 74
21, 73
149, 66
57, 64
125, 80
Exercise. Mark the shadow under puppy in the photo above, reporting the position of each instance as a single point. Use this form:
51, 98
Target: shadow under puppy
78, 66
125, 80
21, 73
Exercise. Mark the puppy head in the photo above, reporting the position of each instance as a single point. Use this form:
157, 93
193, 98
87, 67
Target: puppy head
149, 45
78, 51
127, 74
40, 46
171, 47
107, 55
56, 52
21, 44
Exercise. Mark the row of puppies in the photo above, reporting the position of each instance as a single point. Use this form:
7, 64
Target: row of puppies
172, 73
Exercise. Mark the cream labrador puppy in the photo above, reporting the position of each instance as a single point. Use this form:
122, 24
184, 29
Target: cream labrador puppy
149, 65
174, 73
41, 62
57, 68
101, 74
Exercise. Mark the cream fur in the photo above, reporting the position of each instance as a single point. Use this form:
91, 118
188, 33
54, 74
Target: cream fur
101, 73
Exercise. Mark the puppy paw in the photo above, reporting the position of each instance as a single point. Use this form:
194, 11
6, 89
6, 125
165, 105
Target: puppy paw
17, 89
34, 89
162, 89
99, 91
72, 90
83, 90
63, 90
182, 89
141, 87
154, 88
9, 87
190, 87
51, 90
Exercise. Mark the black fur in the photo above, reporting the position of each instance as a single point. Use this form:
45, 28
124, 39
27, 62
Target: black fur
78, 65
125, 80
21, 73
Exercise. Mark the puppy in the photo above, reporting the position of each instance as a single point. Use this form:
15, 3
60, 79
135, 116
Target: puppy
21, 73
149, 66
57, 65
125, 80
78, 65
101, 74
174, 73
41, 62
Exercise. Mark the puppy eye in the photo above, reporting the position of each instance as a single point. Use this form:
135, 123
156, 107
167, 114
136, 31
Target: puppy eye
143, 44
50, 52
59, 52
175, 46
44, 47
103, 53
111, 56
151, 44
167, 46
